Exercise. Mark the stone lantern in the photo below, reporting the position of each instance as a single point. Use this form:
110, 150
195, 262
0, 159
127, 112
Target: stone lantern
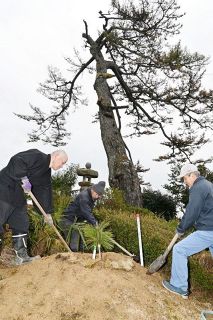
87, 173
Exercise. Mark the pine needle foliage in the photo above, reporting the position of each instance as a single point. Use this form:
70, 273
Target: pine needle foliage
76, 226
42, 239
98, 236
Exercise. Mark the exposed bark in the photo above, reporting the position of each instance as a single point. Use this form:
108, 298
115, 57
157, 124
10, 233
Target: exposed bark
122, 172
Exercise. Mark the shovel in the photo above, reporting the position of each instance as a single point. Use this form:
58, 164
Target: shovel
159, 262
122, 248
45, 216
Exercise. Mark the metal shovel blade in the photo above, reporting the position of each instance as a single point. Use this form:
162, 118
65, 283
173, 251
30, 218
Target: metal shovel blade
157, 264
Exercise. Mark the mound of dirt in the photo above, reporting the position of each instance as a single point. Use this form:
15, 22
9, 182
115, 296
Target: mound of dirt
74, 287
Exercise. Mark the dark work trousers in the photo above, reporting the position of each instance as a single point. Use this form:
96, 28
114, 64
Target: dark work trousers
16, 217
71, 235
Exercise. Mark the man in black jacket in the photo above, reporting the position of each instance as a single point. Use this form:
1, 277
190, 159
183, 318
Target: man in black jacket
26, 171
80, 210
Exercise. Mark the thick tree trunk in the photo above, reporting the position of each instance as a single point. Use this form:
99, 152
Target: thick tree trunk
122, 172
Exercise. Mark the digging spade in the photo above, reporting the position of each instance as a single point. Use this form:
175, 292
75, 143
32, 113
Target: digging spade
159, 262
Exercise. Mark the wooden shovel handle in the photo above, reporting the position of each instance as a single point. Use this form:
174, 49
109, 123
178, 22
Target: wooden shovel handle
122, 248
45, 215
168, 249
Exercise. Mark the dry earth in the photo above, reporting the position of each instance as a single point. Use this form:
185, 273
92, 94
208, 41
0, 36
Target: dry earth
74, 287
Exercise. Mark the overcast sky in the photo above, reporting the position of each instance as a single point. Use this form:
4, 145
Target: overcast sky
38, 33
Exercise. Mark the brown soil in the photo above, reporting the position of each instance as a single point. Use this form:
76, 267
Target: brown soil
74, 287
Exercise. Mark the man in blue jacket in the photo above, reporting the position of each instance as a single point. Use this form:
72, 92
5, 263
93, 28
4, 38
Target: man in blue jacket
80, 210
198, 213
26, 170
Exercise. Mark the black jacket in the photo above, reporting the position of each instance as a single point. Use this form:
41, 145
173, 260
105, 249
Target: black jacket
199, 210
35, 165
81, 208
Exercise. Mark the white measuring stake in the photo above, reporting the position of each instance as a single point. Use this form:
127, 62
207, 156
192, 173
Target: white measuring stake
94, 252
99, 251
139, 239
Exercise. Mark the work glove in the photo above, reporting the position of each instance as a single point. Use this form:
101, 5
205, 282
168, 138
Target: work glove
49, 220
26, 185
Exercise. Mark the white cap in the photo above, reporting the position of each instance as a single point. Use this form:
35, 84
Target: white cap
187, 169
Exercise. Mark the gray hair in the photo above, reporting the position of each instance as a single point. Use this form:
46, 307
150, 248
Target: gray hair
59, 152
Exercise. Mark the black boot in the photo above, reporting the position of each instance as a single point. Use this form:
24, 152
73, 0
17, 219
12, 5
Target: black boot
20, 247
1, 242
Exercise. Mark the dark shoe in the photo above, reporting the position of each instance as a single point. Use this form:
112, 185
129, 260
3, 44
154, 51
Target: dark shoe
173, 289
22, 257
20, 247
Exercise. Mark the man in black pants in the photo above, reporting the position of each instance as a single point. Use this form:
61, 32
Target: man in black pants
80, 210
26, 171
